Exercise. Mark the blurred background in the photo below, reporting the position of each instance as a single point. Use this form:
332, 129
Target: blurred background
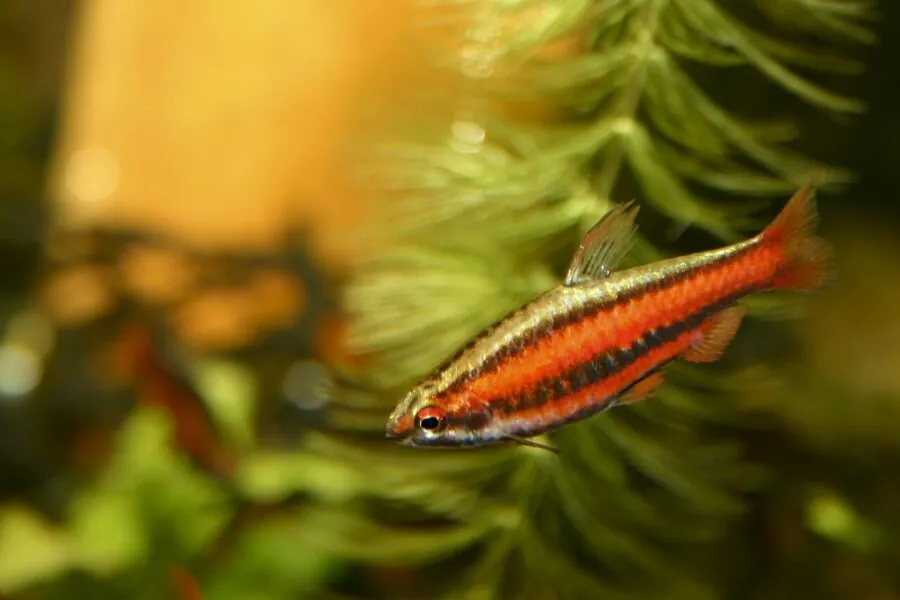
232, 235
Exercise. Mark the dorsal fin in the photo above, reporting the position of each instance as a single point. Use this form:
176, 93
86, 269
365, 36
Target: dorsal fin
604, 245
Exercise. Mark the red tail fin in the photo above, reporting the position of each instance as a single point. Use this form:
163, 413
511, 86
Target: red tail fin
806, 259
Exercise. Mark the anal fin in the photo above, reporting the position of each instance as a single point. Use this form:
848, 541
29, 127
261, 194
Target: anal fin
715, 335
642, 389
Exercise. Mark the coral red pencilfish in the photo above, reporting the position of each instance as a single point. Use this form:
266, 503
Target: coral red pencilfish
601, 339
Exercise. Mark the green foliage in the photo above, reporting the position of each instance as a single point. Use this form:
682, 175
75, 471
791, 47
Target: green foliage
149, 501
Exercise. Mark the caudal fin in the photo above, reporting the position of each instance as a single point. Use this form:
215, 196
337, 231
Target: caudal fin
806, 259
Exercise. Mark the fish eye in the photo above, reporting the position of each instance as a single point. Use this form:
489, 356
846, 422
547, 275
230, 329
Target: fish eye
431, 419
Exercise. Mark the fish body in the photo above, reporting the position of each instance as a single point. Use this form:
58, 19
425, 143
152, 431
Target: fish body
602, 338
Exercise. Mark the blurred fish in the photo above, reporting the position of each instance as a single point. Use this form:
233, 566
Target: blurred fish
184, 583
160, 383
601, 339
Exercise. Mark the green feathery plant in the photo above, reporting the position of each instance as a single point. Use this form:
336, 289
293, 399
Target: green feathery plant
485, 220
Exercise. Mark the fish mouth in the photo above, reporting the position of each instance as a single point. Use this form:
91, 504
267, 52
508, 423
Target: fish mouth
394, 430
400, 427
403, 436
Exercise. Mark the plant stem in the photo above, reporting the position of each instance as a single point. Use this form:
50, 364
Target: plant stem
630, 101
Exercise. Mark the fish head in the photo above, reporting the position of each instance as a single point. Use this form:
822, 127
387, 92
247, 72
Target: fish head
423, 418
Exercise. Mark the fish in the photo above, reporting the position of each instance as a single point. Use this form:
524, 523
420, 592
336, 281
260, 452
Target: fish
602, 338
161, 382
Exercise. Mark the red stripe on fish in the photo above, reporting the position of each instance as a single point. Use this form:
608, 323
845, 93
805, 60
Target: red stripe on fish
620, 324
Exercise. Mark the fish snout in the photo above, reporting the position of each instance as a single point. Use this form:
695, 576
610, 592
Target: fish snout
397, 428
391, 430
